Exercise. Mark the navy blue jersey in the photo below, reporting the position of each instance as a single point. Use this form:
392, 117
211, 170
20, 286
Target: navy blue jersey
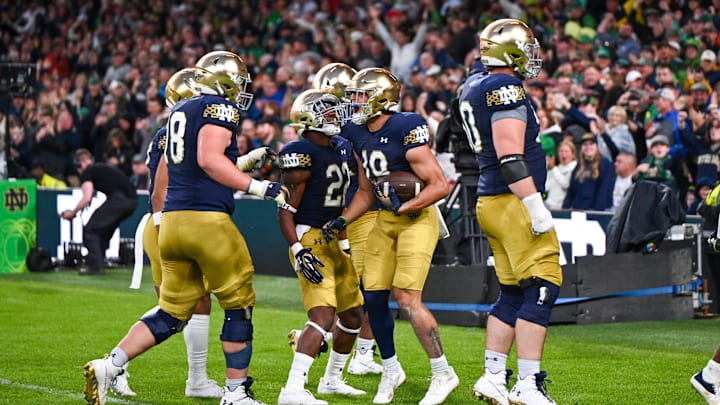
325, 190
384, 151
189, 187
481, 97
154, 154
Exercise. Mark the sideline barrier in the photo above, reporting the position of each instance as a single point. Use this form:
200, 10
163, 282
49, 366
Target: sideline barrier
596, 288
17, 224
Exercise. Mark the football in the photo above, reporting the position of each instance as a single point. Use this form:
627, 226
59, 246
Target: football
406, 184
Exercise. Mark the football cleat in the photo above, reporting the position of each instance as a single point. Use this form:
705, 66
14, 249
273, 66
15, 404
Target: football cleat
707, 390
531, 391
294, 336
337, 385
241, 396
388, 384
298, 397
441, 385
492, 387
362, 364
99, 375
119, 386
203, 389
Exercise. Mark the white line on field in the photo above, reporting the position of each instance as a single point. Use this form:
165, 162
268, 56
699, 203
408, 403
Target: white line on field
63, 393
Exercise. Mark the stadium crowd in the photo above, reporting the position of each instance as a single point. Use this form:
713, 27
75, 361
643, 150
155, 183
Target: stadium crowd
634, 82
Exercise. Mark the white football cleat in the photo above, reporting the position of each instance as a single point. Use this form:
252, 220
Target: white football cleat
362, 364
337, 386
441, 385
203, 389
241, 396
298, 397
707, 390
120, 386
530, 391
99, 375
388, 384
492, 387
294, 336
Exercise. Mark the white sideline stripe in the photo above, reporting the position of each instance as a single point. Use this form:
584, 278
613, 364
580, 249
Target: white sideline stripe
63, 393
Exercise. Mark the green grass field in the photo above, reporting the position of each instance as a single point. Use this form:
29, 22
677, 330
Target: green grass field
52, 323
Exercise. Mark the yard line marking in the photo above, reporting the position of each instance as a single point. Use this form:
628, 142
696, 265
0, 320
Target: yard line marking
64, 393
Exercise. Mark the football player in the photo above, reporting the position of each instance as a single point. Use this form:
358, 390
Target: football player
334, 78
317, 169
502, 129
400, 245
198, 240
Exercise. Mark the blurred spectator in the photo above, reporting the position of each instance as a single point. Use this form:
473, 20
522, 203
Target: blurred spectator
268, 134
403, 45
37, 169
244, 143
118, 151
614, 136
708, 64
140, 175
289, 134
592, 181
625, 165
702, 188
48, 144
145, 128
657, 166
118, 69
20, 155
106, 120
558, 177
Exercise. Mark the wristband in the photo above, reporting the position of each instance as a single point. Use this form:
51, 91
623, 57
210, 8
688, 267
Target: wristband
534, 204
157, 216
296, 247
257, 188
344, 244
286, 206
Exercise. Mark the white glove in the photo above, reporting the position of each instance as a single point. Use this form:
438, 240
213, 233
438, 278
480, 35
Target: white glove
247, 162
542, 220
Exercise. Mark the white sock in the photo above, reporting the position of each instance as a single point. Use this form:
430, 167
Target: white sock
298, 370
364, 345
439, 365
233, 384
118, 357
495, 362
711, 372
196, 342
335, 364
528, 367
392, 364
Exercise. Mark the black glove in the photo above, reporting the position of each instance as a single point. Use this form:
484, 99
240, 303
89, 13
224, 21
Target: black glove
306, 263
334, 227
714, 242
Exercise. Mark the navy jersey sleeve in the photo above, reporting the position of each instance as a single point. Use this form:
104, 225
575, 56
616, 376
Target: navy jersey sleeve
155, 151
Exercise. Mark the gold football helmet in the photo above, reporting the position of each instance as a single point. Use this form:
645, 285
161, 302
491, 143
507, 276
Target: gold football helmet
180, 86
510, 42
316, 111
225, 74
334, 78
372, 91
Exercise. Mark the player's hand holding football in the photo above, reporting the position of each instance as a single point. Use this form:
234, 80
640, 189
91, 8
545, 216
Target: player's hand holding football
307, 263
542, 220
333, 228
389, 199
714, 242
